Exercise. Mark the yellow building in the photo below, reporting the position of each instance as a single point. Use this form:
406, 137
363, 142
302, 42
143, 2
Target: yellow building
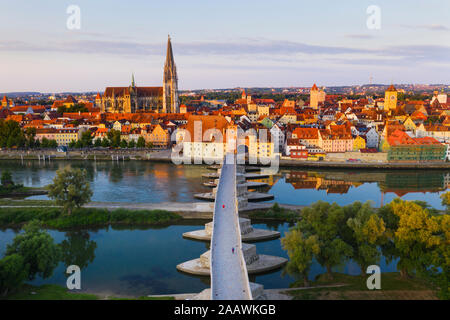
239, 112
385, 146
65, 136
359, 143
288, 118
390, 98
159, 137
258, 149
410, 125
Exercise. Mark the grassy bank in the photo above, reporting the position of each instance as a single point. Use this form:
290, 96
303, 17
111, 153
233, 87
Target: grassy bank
393, 287
21, 191
26, 202
52, 217
55, 292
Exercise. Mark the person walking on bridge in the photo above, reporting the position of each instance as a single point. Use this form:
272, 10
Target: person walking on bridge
232, 250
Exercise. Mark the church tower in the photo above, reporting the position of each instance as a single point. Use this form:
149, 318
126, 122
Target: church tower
132, 101
314, 97
170, 83
390, 98
5, 102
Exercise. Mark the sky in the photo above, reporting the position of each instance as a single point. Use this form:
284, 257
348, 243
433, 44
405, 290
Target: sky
222, 44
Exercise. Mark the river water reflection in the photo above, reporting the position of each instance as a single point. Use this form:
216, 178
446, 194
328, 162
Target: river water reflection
137, 262
135, 181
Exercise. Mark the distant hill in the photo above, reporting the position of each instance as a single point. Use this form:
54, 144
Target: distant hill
18, 94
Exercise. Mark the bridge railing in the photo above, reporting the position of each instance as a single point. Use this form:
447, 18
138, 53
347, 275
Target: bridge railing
238, 228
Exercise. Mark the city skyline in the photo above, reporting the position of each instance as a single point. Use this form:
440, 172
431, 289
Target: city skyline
218, 46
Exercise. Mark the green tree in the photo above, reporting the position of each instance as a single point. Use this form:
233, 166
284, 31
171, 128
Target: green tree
70, 188
7, 178
72, 144
30, 134
417, 235
13, 272
77, 107
105, 142
62, 109
150, 145
439, 273
98, 142
52, 144
78, 144
123, 143
420, 240
44, 143
40, 254
86, 139
324, 221
114, 137
11, 134
141, 142
131, 144
368, 232
301, 251
446, 200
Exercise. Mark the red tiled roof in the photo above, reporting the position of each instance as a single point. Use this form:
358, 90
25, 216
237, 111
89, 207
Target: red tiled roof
391, 88
141, 91
306, 133
208, 122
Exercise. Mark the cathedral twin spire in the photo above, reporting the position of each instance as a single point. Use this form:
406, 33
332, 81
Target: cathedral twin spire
170, 82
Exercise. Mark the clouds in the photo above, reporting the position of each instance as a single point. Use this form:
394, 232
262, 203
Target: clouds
430, 27
359, 36
191, 48
273, 50
92, 62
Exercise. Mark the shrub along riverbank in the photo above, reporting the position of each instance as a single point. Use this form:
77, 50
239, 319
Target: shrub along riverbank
52, 217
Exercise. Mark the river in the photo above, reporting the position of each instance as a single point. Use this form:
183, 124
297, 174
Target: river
137, 181
142, 261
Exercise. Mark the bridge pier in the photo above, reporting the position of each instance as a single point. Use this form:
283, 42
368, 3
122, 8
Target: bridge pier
255, 263
248, 233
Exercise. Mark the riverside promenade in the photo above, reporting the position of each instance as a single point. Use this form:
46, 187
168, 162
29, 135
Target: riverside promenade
164, 155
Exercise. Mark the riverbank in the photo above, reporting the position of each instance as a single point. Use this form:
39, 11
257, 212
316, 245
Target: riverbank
165, 156
139, 212
186, 210
53, 217
364, 165
342, 287
393, 287
22, 192
91, 155
55, 292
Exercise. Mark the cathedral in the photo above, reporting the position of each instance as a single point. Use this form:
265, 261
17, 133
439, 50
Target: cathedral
134, 99
170, 82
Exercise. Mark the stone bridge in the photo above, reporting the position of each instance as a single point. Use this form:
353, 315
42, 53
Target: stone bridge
229, 276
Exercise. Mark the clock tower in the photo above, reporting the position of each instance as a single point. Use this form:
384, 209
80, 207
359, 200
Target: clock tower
390, 99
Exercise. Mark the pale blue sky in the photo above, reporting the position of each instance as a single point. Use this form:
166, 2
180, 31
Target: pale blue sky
222, 44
